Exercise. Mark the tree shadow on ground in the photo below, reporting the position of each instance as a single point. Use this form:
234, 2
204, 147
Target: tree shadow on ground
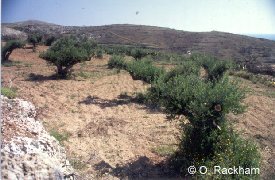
104, 103
39, 77
120, 100
142, 168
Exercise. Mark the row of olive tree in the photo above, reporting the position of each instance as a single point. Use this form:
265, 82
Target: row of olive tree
34, 39
201, 90
64, 53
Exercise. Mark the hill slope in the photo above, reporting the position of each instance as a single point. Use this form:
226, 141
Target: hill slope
243, 49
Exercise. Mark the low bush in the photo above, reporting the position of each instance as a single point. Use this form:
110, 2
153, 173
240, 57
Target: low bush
8, 92
254, 78
231, 151
59, 137
99, 53
117, 62
139, 53
144, 70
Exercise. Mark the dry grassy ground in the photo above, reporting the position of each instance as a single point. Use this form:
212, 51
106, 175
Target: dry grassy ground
108, 134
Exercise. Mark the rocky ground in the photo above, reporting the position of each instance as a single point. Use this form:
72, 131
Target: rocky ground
27, 150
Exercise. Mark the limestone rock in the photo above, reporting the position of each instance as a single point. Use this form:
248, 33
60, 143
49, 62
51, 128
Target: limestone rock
27, 150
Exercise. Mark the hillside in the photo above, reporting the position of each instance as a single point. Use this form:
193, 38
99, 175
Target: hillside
257, 53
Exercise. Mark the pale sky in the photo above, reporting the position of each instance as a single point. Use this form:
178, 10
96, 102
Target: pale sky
235, 16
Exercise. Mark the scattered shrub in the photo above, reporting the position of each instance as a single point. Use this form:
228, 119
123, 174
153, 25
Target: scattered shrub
138, 53
117, 62
99, 53
254, 78
9, 47
144, 70
59, 137
67, 52
8, 92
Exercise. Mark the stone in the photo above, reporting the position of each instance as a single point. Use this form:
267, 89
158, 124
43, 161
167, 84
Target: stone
27, 150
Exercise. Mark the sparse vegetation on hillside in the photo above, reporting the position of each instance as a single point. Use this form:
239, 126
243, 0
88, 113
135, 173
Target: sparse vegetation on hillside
9, 47
67, 52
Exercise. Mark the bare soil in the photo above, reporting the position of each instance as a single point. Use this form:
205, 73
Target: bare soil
110, 135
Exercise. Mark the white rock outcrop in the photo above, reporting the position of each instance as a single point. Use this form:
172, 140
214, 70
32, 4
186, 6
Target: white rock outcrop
27, 149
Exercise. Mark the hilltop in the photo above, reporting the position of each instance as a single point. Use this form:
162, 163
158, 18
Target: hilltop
259, 53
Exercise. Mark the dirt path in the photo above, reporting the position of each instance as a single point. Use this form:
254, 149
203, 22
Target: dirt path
111, 136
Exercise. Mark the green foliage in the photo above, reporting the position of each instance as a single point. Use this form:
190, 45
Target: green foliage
255, 78
167, 57
50, 40
185, 69
116, 49
215, 68
78, 164
144, 70
205, 102
9, 47
139, 53
11, 63
67, 52
117, 62
136, 52
59, 137
8, 92
34, 39
230, 151
99, 53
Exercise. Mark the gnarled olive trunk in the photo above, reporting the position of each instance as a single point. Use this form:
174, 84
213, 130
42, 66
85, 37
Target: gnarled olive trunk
34, 47
63, 71
6, 56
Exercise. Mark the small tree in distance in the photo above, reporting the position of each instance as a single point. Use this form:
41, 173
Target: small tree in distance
34, 39
68, 51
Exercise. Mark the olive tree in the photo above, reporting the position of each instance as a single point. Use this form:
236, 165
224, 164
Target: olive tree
9, 47
34, 39
68, 51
